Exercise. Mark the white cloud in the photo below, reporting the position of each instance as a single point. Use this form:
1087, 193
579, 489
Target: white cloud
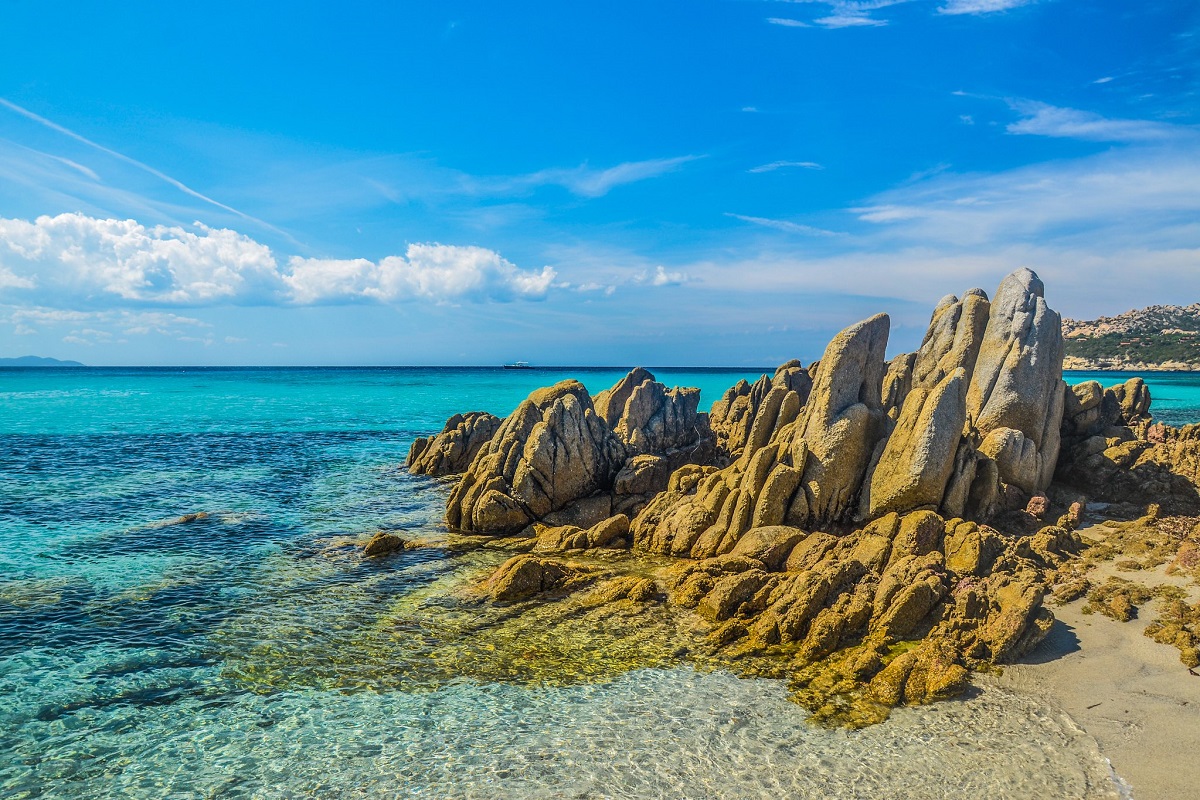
427, 272
842, 14
850, 21
980, 6
783, 225
587, 182
92, 326
1041, 119
663, 278
73, 261
1106, 79
1147, 196
126, 159
774, 165
81, 256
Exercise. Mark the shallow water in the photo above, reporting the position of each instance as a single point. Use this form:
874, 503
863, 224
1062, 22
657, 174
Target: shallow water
252, 653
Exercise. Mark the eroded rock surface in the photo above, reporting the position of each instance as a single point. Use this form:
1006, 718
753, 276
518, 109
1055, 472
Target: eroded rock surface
451, 451
564, 459
871, 529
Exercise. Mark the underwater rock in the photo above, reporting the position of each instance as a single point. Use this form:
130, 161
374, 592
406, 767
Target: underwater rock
383, 544
451, 451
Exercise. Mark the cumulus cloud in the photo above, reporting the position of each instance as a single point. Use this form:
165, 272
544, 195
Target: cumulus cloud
76, 255
426, 272
73, 261
1042, 119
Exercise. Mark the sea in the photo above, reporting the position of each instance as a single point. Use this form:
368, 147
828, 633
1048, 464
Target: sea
250, 652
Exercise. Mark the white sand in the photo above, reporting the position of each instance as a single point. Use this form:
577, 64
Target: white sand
1132, 695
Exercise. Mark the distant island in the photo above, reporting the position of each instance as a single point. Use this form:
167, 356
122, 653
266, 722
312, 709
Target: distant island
37, 361
1154, 338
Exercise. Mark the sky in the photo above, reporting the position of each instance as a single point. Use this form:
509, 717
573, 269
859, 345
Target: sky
704, 183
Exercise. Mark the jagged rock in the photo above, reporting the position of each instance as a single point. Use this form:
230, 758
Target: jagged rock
843, 419
1016, 397
610, 404
552, 451
451, 451
918, 458
1133, 399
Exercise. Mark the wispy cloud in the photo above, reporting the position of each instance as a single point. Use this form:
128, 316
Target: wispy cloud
841, 14
96, 327
180, 185
586, 181
981, 6
1042, 119
783, 225
774, 165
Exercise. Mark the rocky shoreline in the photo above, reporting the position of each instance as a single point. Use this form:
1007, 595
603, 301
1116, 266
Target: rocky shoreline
873, 530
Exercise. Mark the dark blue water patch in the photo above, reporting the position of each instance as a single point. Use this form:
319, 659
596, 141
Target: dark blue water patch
170, 617
66, 480
210, 535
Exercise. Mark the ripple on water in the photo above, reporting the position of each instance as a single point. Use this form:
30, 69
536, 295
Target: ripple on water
650, 733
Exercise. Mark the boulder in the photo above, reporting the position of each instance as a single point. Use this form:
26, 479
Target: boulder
918, 458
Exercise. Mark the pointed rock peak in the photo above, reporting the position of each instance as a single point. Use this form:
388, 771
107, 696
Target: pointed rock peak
1020, 284
944, 303
975, 292
610, 403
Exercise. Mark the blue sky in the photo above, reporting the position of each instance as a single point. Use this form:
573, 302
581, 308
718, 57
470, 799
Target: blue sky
702, 183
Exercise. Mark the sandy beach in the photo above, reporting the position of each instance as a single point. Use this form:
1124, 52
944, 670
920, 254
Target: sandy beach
1130, 693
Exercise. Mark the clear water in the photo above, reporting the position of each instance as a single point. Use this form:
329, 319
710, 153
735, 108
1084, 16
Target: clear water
252, 654
1175, 396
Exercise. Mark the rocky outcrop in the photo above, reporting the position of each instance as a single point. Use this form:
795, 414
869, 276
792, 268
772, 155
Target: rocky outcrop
870, 529
564, 459
1112, 452
550, 452
451, 451
1016, 397
967, 425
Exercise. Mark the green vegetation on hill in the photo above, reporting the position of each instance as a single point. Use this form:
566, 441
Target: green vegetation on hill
1166, 335
1148, 348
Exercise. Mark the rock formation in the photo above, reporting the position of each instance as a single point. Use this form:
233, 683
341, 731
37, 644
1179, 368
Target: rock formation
873, 528
562, 458
451, 451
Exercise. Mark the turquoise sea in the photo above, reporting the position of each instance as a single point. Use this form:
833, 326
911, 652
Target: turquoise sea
251, 653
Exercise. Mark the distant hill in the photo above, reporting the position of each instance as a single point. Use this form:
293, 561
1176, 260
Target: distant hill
37, 361
1154, 338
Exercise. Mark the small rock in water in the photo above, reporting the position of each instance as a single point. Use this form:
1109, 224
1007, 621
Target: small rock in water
383, 544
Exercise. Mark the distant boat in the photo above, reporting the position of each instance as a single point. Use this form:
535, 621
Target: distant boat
518, 365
